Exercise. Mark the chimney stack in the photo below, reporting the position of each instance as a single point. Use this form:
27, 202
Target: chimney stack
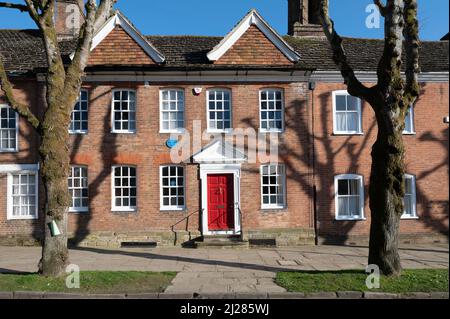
68, 18
304, 18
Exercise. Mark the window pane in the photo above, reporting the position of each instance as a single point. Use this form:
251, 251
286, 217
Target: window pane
343, 187
352, 103
341, 103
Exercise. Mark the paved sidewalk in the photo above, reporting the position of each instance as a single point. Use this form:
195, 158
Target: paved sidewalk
208, 271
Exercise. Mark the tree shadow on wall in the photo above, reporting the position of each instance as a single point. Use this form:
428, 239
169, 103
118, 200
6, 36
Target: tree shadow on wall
436, 221
297, 154
108, 151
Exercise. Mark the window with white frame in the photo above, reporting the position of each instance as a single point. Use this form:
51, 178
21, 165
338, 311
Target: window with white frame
346, 113
273, 186
219, 110
23, 195
409, 122
271, 110
79, 116
172, 188
172, 110
78, 189
124, 192
9, 124
124, 111
410, 197
349, 197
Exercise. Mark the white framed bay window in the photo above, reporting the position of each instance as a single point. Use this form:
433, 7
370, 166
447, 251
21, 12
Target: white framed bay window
124, 188
349, 197
273, 187
22, 195
123, 114
171, 110
347, 114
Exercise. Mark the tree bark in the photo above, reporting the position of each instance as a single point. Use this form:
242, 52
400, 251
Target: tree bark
386, 192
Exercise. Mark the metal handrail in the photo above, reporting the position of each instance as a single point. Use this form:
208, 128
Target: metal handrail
187, 224
186, 218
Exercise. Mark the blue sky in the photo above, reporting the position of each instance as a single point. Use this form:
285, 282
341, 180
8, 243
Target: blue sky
217, 17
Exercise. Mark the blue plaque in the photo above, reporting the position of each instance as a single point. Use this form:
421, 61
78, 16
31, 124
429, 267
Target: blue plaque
171, 143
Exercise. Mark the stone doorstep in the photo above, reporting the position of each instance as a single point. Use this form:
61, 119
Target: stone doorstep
251, 295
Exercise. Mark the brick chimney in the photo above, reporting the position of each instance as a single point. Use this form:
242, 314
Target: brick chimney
68, 18
303, 18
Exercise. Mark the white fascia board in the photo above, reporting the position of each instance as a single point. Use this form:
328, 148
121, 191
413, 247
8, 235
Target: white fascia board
253, 18
119, 20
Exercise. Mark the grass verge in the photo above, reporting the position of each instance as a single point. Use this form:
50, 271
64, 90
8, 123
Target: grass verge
91, 282
417, 280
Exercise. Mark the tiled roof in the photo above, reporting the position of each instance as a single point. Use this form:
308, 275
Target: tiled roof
23, 50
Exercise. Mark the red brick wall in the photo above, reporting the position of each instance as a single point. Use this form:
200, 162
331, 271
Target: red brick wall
427, 159
29, 93
119, 48
254, 48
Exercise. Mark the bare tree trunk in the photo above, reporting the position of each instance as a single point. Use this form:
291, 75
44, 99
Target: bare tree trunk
55, 171
386, 198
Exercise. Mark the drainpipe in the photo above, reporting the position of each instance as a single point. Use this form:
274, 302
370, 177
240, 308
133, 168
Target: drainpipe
312, 87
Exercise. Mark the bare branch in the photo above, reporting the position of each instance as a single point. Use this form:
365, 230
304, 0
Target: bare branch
95, 16
23, 110
381, 7
355, 87
10, 5
32, 11
411, 35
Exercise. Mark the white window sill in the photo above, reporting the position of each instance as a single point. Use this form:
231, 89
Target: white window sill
227, 131
273, 207
124, 209
79, 210
351, 219
78, 132
409, 133
409, 218
348, 133
172, 209
123, 132
9, 151
22, 218
271, 131
181, 131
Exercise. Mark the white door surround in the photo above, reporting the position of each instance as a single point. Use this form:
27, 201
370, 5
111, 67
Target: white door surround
220, 157
235, 170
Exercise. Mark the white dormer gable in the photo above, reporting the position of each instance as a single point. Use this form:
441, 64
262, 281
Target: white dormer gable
253, 18
118, 19
219, 152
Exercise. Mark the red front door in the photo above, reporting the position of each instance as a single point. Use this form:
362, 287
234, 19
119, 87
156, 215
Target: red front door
220, 202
